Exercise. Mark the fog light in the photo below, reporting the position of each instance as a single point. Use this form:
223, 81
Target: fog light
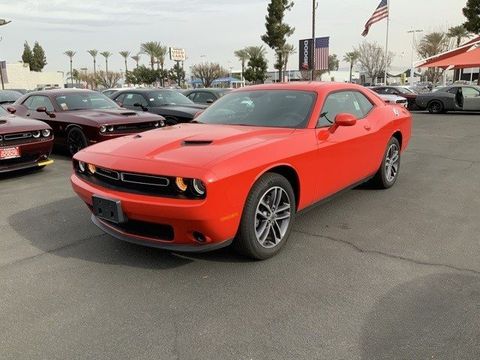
181, 184
36, 134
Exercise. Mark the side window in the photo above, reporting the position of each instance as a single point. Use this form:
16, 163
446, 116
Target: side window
132, 99
34, 102
119, 99
469, 92
453, 90
351, 102
191, 96
203, 97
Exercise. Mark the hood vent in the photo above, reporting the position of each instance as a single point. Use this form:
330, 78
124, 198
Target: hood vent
129, 113
197, 142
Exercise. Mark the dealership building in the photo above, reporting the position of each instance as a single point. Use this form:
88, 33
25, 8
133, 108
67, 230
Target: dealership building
19, 76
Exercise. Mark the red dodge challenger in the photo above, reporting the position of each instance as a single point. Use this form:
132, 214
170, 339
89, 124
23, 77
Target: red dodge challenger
24, 143
244, 168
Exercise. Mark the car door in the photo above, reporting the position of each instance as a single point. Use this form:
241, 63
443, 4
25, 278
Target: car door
344, 154
471, 99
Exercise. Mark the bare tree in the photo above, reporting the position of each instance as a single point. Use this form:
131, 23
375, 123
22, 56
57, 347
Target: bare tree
208, 72
372, 59
108, 79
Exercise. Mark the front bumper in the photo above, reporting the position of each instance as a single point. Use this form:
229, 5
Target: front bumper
187, 218
32, 155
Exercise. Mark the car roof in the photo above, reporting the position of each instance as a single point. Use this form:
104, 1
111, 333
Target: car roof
316, 86
57, 92
210, 89
143, 90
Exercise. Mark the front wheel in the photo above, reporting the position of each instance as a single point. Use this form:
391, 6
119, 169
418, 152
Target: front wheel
76, 140
267, 217
435, 107
387, 175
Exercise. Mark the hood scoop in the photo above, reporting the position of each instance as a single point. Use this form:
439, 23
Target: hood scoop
129, 113
3, 122
197, 142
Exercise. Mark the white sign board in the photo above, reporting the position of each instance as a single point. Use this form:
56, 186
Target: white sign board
177, 54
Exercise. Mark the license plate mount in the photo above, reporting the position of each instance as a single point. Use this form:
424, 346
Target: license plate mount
108, 209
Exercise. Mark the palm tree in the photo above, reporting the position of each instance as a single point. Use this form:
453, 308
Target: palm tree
106, 55
94, 54
136, 58
160, 54
243, 57
351, 58
459, 33
70, 54
151, 49
125, 54
433, 44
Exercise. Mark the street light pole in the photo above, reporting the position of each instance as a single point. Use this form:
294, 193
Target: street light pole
312, 50
412, 69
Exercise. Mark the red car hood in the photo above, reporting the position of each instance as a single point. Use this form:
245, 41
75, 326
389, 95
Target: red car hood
12, 124
192, 145
114, 116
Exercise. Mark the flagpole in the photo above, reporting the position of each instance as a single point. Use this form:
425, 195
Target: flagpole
386, 42
312, 51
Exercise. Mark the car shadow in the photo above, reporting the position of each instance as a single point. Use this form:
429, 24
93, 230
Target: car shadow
432, 317
20, 173
64, 228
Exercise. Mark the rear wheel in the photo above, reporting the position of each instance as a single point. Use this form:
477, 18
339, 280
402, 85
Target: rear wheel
76, 140
435, 107
267, 217
387, 175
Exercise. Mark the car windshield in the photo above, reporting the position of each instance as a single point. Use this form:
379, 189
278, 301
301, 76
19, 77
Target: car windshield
269, 108
167, 97
8, 97
84, 101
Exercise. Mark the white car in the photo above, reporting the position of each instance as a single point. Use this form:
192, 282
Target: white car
394, 99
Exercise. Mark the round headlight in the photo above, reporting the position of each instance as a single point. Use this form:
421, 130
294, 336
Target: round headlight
162, 123
198, 187
1, 138
46, 133
103, 128
181, 185
81, 166
36, 134
111, 128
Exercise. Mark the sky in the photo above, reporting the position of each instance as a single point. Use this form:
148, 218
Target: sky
209, 30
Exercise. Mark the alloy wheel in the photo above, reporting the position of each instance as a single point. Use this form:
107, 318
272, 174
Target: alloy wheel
272, 217
392, 162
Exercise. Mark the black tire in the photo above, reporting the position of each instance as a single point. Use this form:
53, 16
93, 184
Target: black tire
76, 140
435, 107
383, 179
275, 223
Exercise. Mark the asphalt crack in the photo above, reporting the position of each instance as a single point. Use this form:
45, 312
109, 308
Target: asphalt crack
385, 254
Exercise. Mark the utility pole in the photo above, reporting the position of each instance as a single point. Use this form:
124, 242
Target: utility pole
412, 70
312, 49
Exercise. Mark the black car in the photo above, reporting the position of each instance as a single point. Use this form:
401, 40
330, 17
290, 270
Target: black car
451, 98
173, 106
205, 96
9, 96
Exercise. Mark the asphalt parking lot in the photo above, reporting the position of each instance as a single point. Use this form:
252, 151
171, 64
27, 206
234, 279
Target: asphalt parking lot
369, 275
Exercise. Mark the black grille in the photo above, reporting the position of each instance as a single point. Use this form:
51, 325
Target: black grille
145, 179
146, 229
19, 136
133, 128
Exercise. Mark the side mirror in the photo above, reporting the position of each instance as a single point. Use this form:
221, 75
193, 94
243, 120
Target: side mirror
11, 110
44, 110
210, 101
343, 119
140, 106
119, 103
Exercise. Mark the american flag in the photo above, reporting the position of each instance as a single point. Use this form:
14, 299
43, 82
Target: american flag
379, 14
321, 53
